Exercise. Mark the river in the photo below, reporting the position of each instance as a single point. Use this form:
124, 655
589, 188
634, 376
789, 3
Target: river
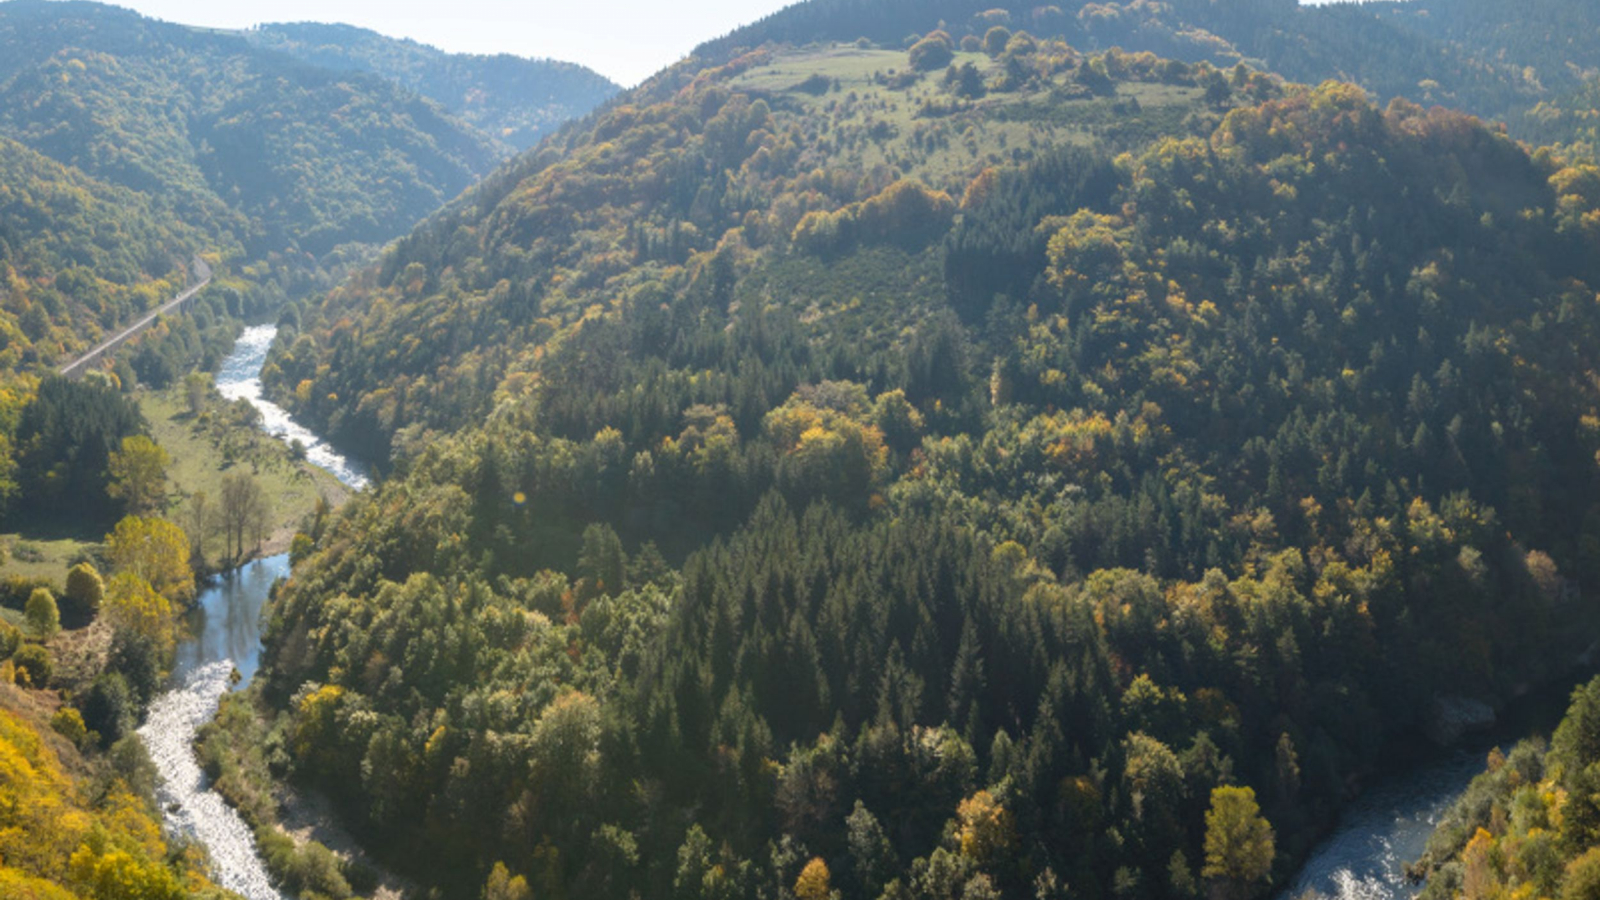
1384, 829
226, 638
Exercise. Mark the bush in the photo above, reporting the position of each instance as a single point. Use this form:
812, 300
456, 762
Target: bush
35, 665
932, 52
15, 590
68, 723
10, 639
137, 658
994, 42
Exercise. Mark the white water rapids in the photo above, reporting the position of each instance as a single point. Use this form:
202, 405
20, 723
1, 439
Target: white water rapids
240, 379
193, 810
1385, 828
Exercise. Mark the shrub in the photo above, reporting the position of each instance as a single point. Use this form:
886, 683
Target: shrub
68, 723
138, 659
34, 663
85, 590
932, 52
108, 708
995, 41
10, 639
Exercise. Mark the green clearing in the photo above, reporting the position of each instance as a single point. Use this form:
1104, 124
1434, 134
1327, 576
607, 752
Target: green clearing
218, 442
877, 117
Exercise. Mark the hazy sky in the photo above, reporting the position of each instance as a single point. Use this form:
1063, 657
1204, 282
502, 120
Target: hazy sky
627, 40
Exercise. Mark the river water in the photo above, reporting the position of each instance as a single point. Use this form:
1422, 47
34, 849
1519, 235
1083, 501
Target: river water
1384, 829
226, 638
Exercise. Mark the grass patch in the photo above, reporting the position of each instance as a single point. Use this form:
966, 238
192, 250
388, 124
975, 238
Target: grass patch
34, 556
204, 449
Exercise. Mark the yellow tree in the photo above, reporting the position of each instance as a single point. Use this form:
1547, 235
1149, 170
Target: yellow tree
502, 885
139, 475
987, 831
43, 616
155, 550
815, 882
132, 605
1239, 843
85, 590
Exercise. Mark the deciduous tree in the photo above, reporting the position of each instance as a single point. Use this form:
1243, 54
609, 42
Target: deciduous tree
1239, 843
139, 475
157, 552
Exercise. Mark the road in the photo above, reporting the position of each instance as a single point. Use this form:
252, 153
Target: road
76, 368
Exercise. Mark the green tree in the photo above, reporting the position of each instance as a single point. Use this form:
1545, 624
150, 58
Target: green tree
245, 511
602, 562
109, 709
43, 616
1582, 880
196, 388
1576, 744
932, 52
871, 854
995, 40
1239, 843
139, 475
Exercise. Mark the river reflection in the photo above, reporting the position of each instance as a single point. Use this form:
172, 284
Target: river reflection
227, 626
227, 636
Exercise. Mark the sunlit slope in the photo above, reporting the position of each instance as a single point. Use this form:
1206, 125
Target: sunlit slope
738, 158
78, 257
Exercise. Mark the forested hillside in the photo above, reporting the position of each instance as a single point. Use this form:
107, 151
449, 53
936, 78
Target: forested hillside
986, 468
512, 99
76, 826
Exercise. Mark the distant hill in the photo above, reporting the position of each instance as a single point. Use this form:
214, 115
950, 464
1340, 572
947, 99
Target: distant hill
510, 98
233, 138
